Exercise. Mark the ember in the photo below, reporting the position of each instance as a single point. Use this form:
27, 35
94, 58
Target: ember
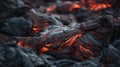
99, 6
20, 43
71, 40
59, 33
50, 9
36, 30
74, 6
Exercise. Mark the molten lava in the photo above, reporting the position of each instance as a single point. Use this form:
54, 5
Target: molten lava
99, 6
43, 49
74, 6
67, 43
95, 6
71, 41
20, 43
36, 30
92, 5
51, 8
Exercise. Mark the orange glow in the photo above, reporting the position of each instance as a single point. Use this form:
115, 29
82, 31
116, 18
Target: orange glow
51, 8
36, 29
43, 49
89, 4
99, 6
23, 44
72, 40
20, 43
48, 45
84, 49
74, 6
94, 6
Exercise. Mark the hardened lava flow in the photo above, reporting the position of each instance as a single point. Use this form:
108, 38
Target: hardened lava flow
59, 33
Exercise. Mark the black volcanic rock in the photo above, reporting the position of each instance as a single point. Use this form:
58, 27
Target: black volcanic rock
13, 56
12, 8
16, 26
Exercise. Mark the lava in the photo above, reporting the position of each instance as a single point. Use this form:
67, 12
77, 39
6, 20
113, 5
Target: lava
43, 49
72, 40
51, 8
64, 31
91, 5
20, 43
95, 6
36, 30
99, 6
74, 6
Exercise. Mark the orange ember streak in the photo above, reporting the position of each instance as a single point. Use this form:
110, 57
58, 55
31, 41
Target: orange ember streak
48, 45
74, 6
20, 43
70, 41
43, 49
51, 8
36, 29
87, 51
98, 6
84, 49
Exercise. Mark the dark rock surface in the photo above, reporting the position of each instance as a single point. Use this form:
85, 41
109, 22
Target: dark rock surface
16, 26
13, 56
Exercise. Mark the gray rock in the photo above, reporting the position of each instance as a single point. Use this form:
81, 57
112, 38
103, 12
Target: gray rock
16, 26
